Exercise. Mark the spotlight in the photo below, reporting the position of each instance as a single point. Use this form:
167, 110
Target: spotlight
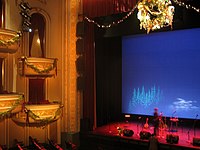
25, 6
26, 17
22, 6
27, 23
30, 30
128, 132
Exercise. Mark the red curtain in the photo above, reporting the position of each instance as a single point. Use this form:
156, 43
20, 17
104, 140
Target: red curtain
37, 22
96, 8
92, 9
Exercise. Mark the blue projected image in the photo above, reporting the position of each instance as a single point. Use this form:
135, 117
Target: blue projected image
162, 70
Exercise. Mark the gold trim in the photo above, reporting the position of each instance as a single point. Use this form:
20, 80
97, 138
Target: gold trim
33, 66
9, 41
38, 115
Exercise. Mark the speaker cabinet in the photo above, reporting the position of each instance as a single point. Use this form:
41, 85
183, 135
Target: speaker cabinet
128, 132
80, 65
80, 29
80, 83
145, 135
172, 139
196, 141
79, 46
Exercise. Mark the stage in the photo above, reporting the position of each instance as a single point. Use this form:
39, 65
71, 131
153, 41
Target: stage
111, 137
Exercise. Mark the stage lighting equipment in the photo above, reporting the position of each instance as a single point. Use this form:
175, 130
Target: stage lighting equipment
172, 139
145, 135
128, 132
26, 17
196, 141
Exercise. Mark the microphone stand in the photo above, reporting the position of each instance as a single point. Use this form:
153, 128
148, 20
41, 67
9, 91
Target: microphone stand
189, 136
171, 120
194, 125
193, 129
139, 118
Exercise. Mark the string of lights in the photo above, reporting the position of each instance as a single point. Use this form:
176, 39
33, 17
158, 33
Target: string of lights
188, 6
182, 4
114, 22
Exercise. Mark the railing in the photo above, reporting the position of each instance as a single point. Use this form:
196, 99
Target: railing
10, 104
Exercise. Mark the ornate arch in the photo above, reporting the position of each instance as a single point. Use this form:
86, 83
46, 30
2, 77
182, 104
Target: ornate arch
47, 28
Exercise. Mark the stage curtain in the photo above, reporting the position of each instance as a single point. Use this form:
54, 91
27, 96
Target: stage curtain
96, 8
37, 23
92, 9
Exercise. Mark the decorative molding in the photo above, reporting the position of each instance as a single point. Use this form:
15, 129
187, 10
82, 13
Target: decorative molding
38, 115
71, 99
10, 104
47, 27
43, 1
40, 67
9, 41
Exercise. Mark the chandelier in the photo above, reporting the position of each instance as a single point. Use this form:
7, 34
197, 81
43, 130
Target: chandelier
155, 14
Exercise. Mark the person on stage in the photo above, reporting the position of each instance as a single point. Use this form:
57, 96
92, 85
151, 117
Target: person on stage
156, 122
153, 142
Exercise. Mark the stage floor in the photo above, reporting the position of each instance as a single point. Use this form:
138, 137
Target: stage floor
185, 134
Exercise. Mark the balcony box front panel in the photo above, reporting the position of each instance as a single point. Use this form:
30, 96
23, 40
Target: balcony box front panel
39, 67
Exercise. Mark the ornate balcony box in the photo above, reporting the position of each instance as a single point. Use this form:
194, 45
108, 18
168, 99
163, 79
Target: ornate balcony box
38, 115
40, 67
10, 104
9, 41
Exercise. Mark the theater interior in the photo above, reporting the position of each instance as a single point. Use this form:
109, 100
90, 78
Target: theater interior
99, 74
